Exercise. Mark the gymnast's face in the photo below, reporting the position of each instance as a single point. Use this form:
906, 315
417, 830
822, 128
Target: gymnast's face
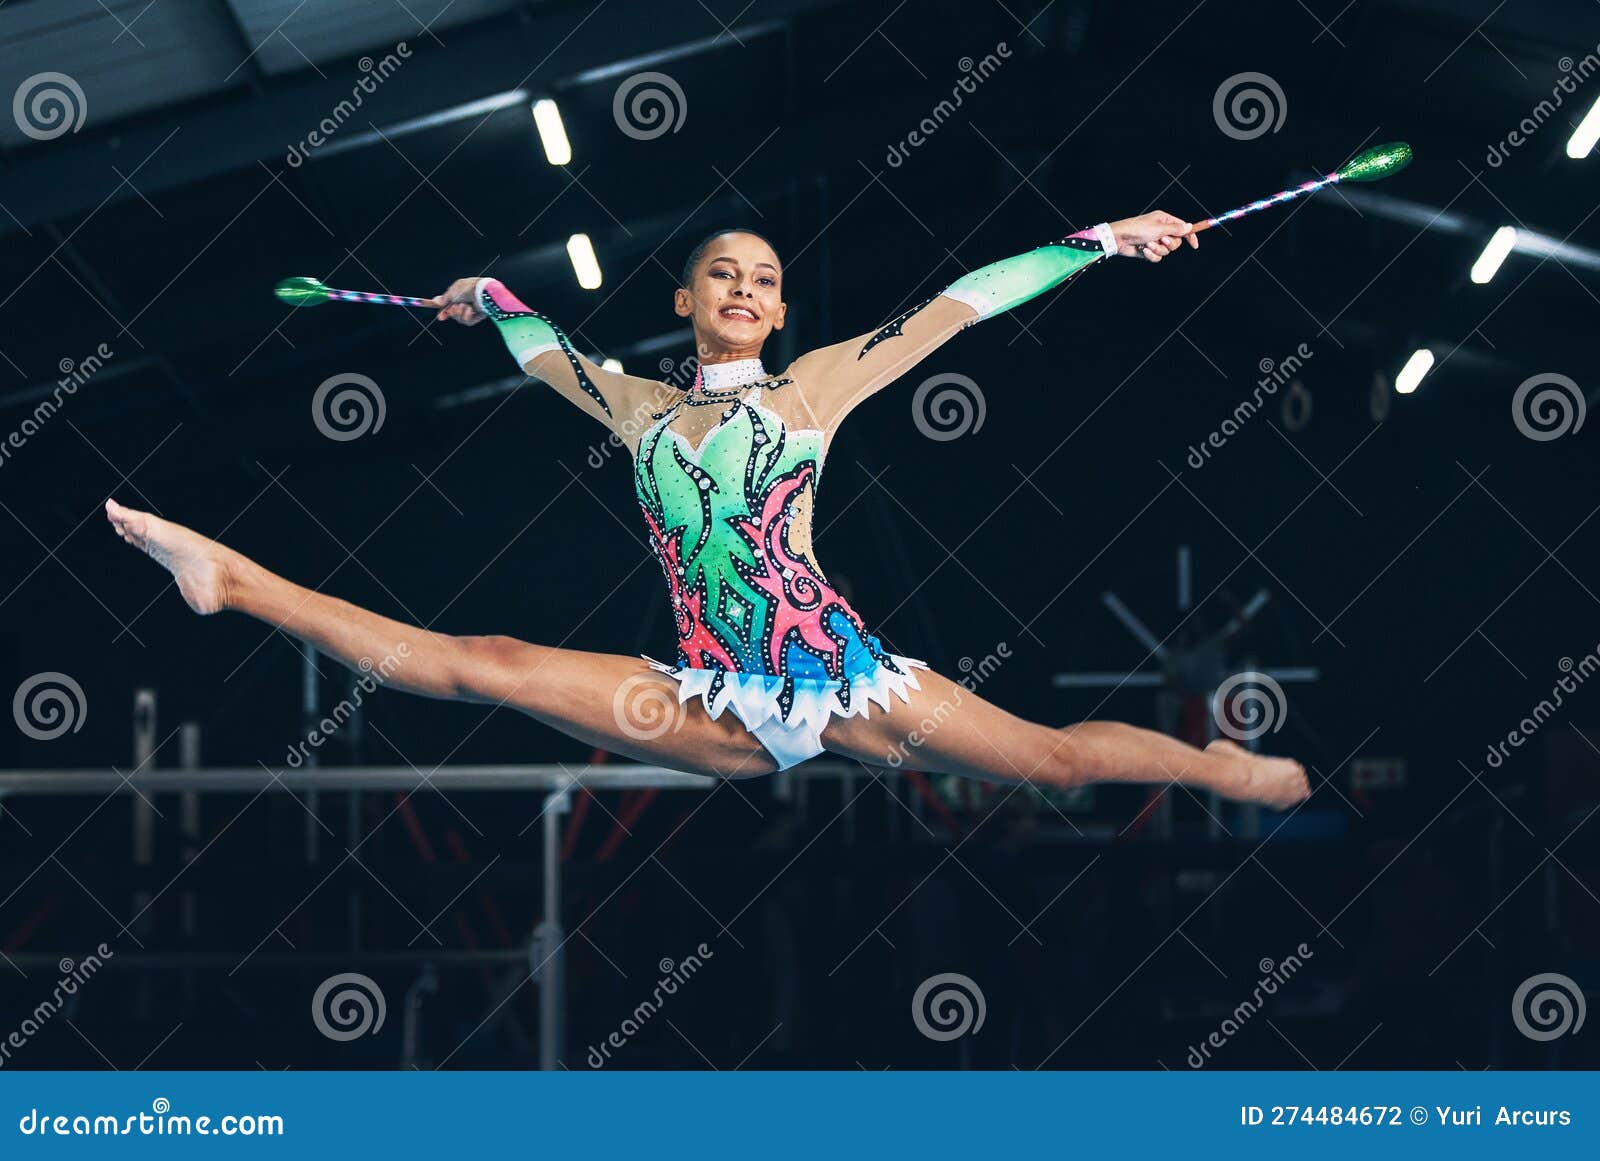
736, 299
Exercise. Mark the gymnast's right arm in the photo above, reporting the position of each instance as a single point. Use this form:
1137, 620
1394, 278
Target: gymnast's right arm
542, 349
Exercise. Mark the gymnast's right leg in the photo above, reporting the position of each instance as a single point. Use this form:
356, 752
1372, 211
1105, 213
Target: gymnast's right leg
617, 703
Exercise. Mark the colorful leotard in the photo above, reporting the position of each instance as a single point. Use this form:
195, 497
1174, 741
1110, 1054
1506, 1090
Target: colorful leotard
726, 474
760, 629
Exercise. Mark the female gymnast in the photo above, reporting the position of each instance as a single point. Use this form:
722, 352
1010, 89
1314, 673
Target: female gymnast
773, 666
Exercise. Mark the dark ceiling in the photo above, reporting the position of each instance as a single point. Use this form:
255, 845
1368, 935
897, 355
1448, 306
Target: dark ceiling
160, 225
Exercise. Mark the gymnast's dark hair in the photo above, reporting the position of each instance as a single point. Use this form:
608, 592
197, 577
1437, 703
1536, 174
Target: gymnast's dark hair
699, 250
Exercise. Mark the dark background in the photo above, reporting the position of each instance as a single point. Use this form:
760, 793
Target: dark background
1433, 562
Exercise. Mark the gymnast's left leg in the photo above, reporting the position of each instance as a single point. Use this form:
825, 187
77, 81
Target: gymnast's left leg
945, 728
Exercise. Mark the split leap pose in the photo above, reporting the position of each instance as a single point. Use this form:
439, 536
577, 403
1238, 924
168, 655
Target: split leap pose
773, 666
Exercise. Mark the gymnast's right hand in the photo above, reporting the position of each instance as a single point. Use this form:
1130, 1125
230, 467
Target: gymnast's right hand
459, 302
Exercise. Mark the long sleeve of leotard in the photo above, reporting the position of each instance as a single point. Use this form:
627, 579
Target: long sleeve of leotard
542, 349
840, 376
1011, 282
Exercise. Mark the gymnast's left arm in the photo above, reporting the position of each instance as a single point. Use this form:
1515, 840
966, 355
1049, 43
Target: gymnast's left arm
838, 377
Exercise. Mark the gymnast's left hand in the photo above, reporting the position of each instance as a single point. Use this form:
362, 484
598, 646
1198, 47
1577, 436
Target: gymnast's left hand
1153, 236
459, 302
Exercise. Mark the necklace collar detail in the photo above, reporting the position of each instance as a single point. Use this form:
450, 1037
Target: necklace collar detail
724, 376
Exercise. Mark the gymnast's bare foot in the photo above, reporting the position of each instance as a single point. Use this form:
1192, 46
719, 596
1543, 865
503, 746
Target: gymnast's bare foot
1276, 782
201, 567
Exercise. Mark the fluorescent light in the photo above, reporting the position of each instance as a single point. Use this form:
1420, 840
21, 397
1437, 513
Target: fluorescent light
1503, 242
552, 133
1411, 374
1586, 134
584, 263
613, 365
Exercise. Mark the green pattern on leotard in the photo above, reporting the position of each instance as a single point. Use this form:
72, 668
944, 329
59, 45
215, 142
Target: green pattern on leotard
710, 490
746, 598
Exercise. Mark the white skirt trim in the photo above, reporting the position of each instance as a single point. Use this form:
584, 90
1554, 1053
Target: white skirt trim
755, 697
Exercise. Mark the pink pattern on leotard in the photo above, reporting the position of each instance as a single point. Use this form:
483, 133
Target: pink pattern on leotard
695, 640
504, 299
801, 599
